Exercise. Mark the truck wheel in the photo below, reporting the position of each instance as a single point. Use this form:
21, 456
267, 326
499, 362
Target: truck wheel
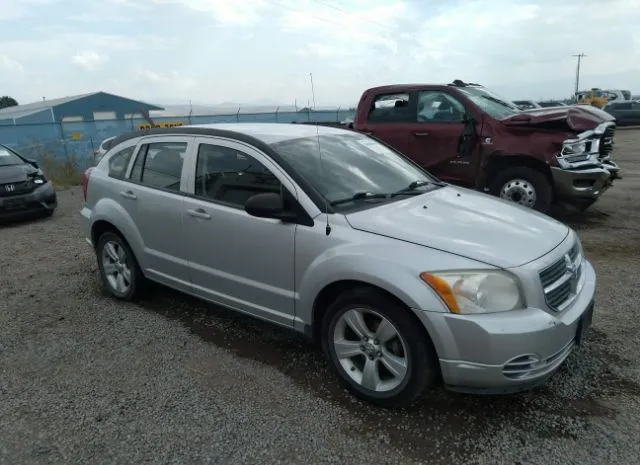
526, 186
377, 348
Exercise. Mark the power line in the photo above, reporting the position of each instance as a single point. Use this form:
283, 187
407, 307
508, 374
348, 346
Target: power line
320, 18
580, 56
351, 13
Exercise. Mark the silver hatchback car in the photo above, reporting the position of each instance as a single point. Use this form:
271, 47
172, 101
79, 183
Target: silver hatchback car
405, 281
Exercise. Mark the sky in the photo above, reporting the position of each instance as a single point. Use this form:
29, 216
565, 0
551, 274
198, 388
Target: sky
263, 51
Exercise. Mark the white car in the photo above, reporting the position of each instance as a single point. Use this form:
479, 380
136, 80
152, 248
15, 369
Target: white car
104, 146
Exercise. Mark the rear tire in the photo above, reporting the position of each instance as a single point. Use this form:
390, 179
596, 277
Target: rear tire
525, 186
119, 270
390, 360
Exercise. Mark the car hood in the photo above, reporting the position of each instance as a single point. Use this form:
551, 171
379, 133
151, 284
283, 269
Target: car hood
466, 223
15, 173
575, 118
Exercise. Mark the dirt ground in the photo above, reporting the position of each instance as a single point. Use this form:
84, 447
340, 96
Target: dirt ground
86, 379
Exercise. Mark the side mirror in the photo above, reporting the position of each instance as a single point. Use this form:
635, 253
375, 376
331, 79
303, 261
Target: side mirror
33, 163
468, 119
268, 205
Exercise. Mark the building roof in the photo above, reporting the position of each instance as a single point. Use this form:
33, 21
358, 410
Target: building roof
27, 109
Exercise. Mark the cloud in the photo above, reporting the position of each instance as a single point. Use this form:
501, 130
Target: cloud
232, 12
8, 64
89, 60
17, 9
358, 25
244, 50
173, 78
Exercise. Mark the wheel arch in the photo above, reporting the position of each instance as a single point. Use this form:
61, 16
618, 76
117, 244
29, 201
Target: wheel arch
330, 293
499, 161
102, 226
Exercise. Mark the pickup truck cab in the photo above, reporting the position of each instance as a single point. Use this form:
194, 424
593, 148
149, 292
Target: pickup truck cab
467, 135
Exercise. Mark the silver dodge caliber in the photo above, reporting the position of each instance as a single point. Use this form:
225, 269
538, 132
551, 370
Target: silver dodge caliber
404, 281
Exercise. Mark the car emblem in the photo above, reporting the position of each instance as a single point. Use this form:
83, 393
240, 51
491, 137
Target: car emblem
10, 187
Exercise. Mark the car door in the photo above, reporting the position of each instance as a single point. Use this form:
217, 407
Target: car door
155, 197
622, 113
388, 118
238, 260
435, 135
634, 114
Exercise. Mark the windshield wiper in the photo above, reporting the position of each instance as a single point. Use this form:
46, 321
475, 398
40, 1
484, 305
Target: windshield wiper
360, 196
411, 188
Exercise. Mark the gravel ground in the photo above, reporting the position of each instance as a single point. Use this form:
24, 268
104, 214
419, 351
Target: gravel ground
86, 379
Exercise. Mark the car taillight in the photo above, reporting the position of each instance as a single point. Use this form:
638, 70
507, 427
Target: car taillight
85, 182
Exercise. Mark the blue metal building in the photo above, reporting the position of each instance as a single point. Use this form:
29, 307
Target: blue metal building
83, 106
70, 125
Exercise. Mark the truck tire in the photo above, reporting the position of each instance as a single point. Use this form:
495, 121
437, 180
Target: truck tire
377, 349
525, 186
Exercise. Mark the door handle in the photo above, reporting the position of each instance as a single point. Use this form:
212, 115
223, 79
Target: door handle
128, 195
199, 213
421, 134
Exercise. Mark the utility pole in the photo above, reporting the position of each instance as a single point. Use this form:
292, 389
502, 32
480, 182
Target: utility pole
580, 56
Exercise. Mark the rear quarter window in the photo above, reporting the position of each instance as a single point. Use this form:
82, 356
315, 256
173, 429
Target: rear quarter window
116, 162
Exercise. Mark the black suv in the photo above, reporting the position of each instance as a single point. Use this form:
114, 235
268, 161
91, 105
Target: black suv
24, 190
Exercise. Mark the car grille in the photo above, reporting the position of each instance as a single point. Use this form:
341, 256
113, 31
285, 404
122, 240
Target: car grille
15, 188
606, 142
560, 279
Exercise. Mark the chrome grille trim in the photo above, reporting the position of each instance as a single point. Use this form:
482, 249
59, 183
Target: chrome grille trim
606, 142
560, 281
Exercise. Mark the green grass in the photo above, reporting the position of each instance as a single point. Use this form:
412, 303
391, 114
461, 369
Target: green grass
62, 172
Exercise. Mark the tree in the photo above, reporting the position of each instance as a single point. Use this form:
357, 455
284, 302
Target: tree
6, 102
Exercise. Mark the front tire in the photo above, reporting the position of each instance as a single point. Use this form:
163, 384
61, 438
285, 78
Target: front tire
525, 186
119, 270
377, 348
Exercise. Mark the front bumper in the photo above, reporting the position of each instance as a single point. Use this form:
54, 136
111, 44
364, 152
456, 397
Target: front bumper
583, 186
39, 201
512, 351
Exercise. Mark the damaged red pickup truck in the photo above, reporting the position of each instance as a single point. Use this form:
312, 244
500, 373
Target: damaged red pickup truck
465, 134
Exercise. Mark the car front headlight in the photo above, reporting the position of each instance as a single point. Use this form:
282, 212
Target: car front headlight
38, 179
574, 148
469, 292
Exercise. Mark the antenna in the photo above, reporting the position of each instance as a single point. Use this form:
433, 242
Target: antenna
326, 204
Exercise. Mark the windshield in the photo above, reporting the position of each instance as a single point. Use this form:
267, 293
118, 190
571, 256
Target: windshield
350, 164
497, 107
7, 157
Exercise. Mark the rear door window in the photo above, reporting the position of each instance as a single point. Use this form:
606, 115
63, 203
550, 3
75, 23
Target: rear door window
391, 108
159, 164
